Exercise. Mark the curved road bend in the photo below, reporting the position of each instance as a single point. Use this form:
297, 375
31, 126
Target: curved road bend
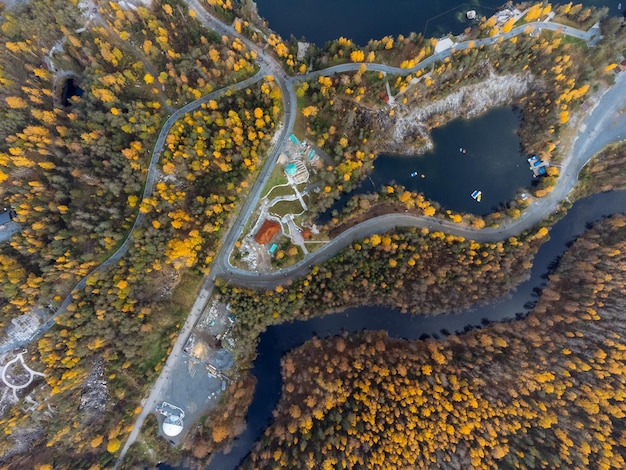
222, 265
221, 262
604, 125
147, 192
268, 65
587, 143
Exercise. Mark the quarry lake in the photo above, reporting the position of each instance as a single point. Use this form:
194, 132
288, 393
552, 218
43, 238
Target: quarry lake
319, 21
492, 162
479, 154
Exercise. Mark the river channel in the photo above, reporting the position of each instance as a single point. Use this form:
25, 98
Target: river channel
323, 20
279, 339
319, 21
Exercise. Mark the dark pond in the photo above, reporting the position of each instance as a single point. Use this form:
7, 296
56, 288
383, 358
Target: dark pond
476, 154
319, 21
70, 88
279, 339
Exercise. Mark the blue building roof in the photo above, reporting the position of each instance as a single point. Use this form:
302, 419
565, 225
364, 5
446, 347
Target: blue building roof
291, 169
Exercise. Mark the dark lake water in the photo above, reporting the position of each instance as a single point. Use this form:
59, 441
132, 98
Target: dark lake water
70, 88
323, 20
476, 154
319, 21
278, 340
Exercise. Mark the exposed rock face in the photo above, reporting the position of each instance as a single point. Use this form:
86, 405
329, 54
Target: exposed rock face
411, 124
23, 440
95, 394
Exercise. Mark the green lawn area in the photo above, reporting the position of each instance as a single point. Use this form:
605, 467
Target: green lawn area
276, 178
575, 41
566, 39
186, 291
173, 310
299, 126
564, 20
279, 191
312, 247
282, 208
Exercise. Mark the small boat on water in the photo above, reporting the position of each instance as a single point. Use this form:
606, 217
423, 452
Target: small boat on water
477, 195
414, 174
462, 150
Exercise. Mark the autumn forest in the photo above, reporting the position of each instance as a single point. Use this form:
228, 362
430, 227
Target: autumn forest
125, 189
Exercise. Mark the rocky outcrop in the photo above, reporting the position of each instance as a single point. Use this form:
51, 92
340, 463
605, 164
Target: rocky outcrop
410, 127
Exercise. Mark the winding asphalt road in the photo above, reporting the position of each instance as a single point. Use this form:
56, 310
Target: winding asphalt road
605, 124
589, 35
147, 192
269, 66
587, 143
585, 146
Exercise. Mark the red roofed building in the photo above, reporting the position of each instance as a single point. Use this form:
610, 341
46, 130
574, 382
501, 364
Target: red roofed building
267, 232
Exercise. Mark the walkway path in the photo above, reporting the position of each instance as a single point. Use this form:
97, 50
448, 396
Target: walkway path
589, 143
222, 266
31, 375
150, 181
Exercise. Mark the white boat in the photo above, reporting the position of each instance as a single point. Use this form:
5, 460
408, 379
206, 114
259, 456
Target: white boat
477, 195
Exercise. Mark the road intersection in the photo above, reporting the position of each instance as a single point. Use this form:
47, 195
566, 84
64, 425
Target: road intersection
585, 146
599, 132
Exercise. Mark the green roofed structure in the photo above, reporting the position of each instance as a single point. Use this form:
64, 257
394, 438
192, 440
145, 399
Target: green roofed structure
291, 169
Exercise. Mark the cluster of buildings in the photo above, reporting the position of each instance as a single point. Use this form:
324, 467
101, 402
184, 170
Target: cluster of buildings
296, 160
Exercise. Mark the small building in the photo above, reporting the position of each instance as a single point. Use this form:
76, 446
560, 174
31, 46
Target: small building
291, 169
173, 423
172, 426
444, 44
294, 139
537, 166
272, 249
297, 172
267, 232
